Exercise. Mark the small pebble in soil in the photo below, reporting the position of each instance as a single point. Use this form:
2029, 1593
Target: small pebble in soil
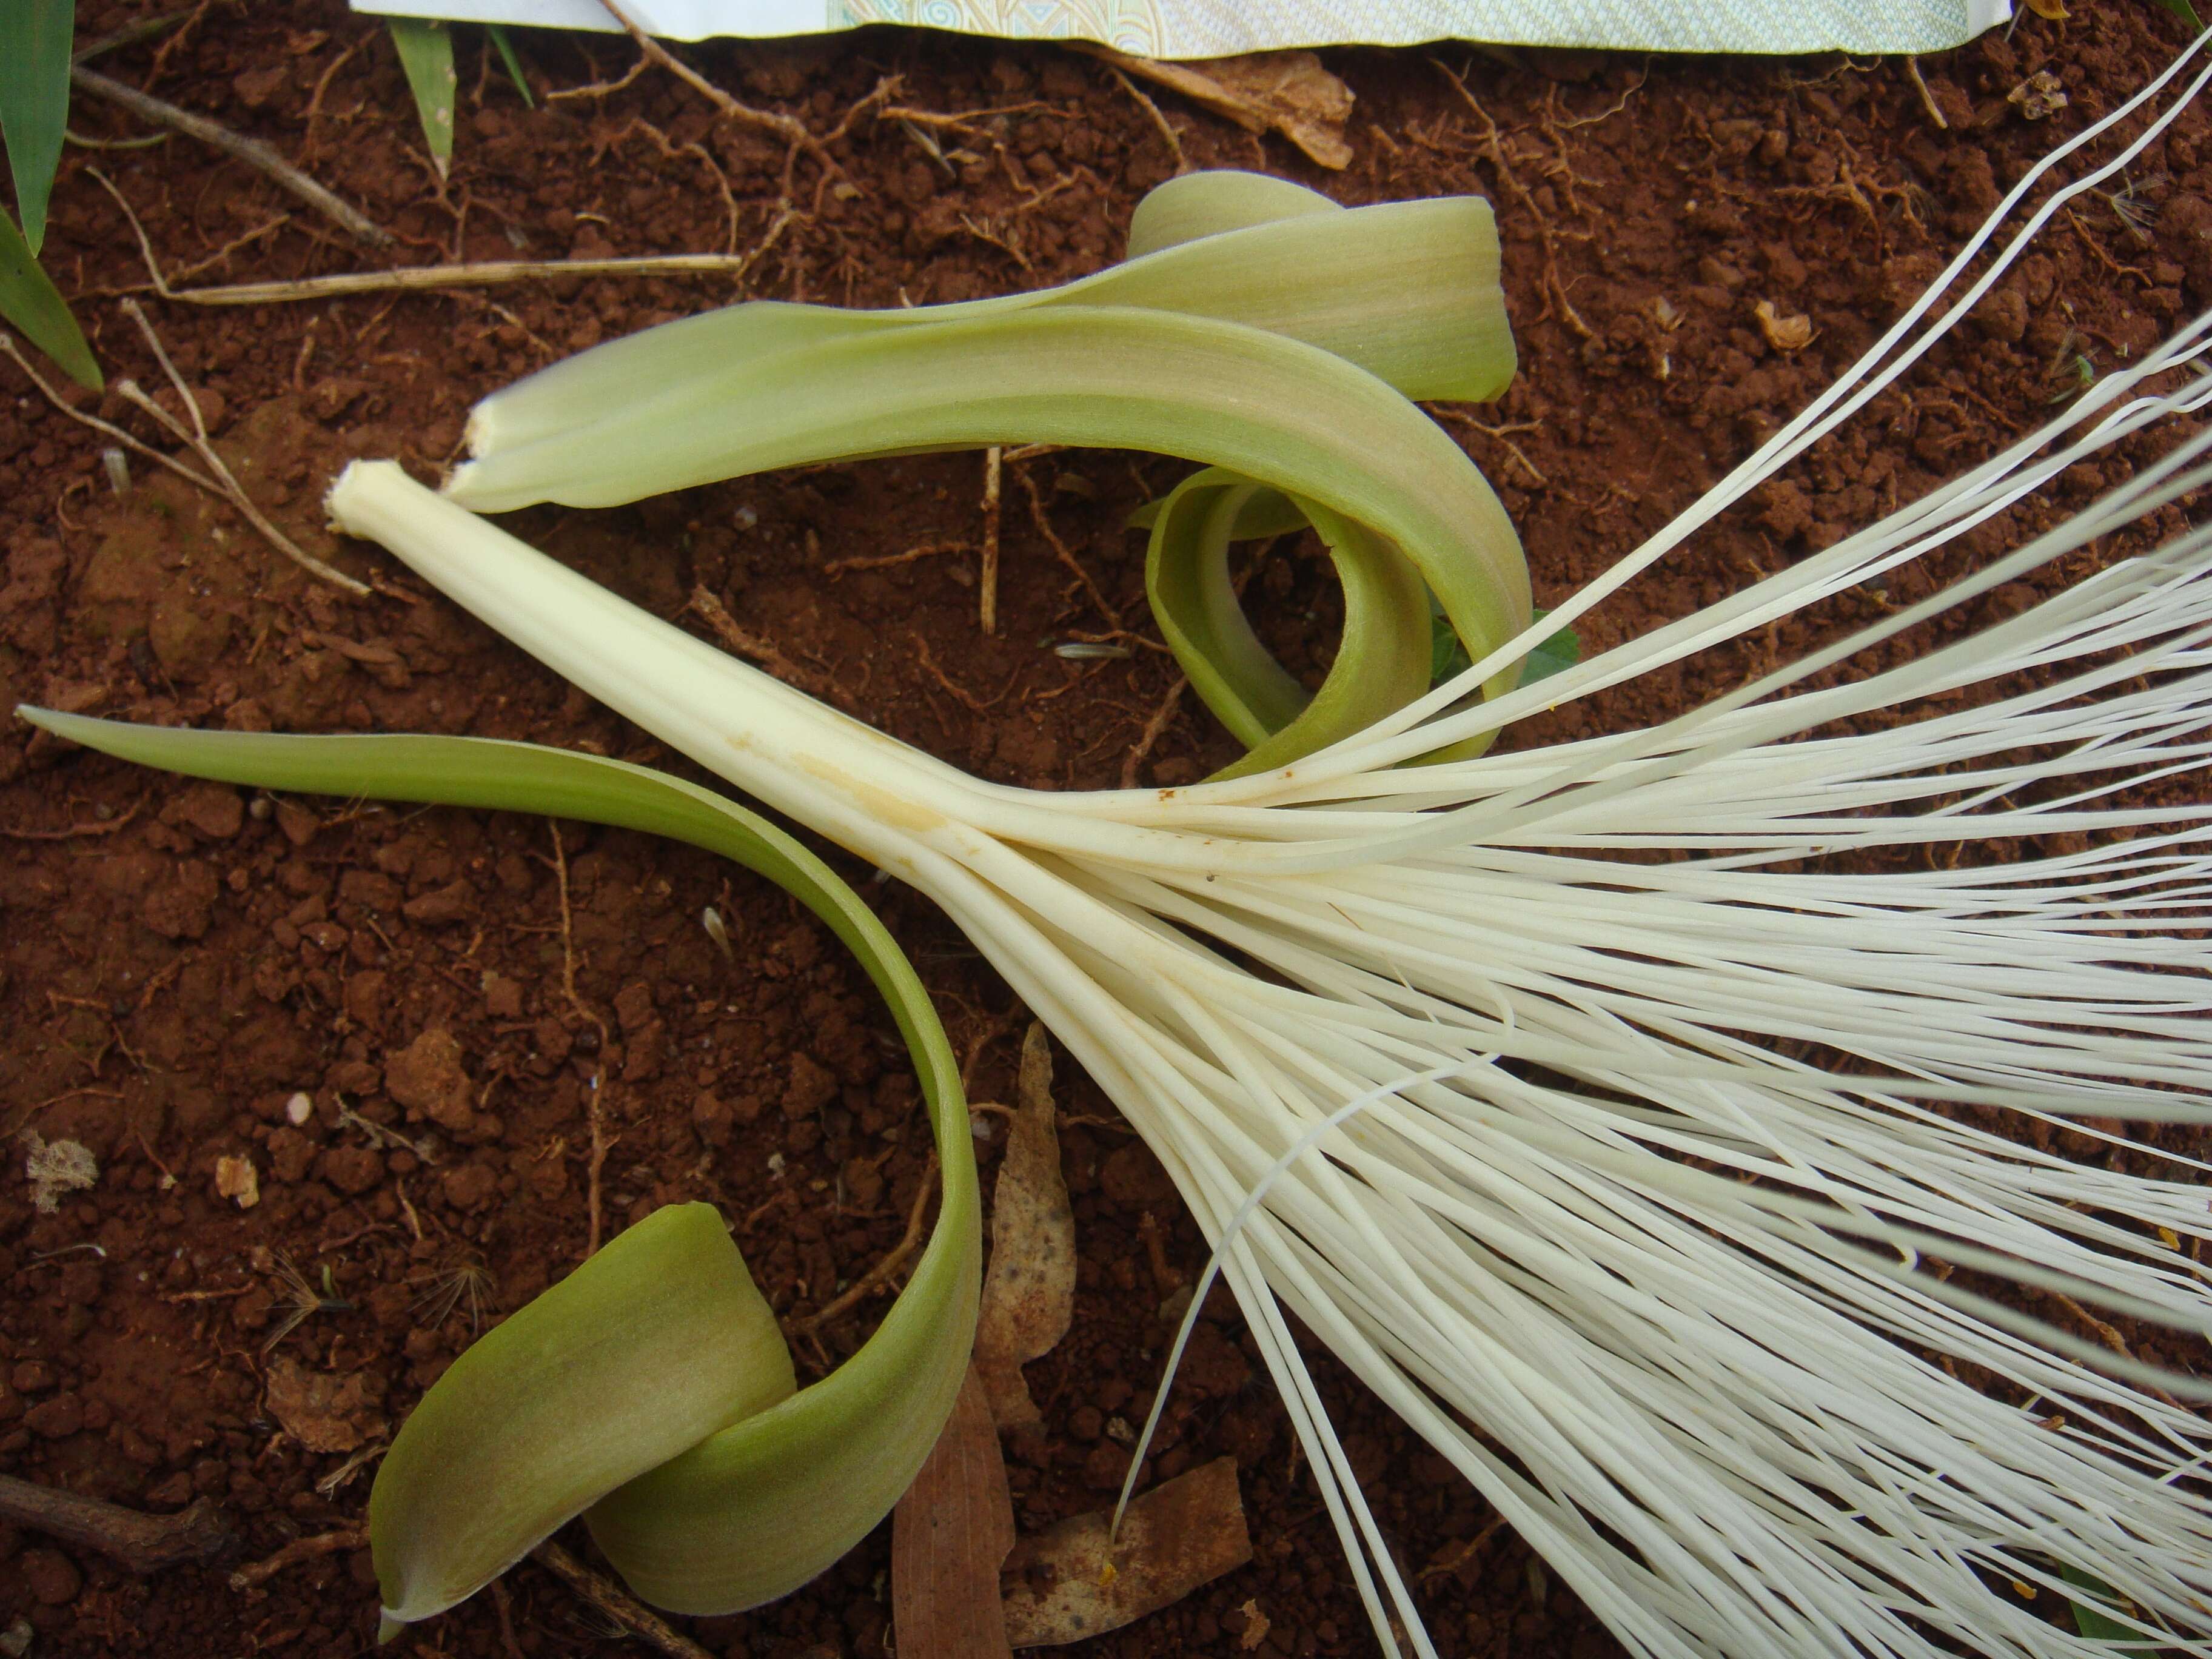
50, 1577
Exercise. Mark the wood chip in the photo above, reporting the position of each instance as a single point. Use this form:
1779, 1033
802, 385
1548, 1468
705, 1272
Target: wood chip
1256, 1626
949, 1536
2040, 95
237, 1180
1068, 1582
323, 1413
1285, 92
1783, 334
1028, 1293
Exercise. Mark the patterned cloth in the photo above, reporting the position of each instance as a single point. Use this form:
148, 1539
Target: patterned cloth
1220, 28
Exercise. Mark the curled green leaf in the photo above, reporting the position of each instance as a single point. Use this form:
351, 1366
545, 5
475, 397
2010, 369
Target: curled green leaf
1281, 412
1257, 326
1187, 575
651, 1384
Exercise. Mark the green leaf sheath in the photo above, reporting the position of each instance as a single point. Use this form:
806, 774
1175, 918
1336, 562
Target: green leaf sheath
34, 86
426, 54
31, 303
651, 1384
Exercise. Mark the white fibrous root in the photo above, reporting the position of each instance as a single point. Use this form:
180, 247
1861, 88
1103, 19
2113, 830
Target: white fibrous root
1705, 1070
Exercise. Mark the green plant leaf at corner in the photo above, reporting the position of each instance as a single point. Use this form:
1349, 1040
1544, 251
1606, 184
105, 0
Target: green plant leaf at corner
2182, 9
2089, 1615
1447, 657
34, 83
426, 53
30, 301
653, 1379
506, 56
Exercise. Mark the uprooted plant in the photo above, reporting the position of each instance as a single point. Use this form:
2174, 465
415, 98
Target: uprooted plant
1518, 1071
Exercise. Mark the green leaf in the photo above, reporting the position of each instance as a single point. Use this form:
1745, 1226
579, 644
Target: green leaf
1276, 410
1562, 650
34, 86
498, 38
31, 302
1447, 657
1407, 290
653, 1378
426, 52
2089, 1617
2184, 10
1187, 578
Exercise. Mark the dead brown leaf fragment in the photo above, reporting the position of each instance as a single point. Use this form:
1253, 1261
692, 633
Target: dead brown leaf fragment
1069, 1582
1284, 92
2054, 10
1029, 1293
949, 1536
1783, 334
323, 1413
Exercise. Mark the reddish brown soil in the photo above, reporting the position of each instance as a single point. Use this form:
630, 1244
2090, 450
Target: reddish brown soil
179, 959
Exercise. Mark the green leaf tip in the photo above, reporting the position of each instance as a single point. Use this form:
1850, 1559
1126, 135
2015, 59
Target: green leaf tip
29, 300
650, 1347
35, 37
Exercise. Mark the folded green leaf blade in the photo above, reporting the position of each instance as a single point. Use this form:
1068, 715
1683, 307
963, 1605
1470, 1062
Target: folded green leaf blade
1407, 290
715, 1531
512, 62
624, 1372
652, 1345
31, 303
34, 83
1213, 200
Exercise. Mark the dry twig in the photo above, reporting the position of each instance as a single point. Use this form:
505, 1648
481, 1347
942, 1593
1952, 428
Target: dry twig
1159, 121
926, 550
224, 487
790, 129
1154, 729
487, 273
1066, 555
484, 274
1492, 146
139, 1542
252, 152
1927, 98
988, 576
851, 1294
617, 1603
258, 1573
712, 611
196, 439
